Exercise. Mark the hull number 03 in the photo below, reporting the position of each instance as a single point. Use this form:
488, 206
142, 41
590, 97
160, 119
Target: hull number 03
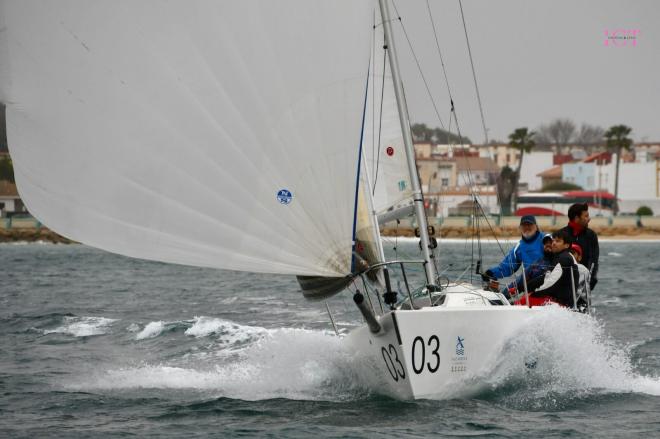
394, 365
420, 349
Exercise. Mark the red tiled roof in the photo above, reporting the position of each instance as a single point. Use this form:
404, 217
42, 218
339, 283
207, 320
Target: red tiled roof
555, 172
537, 211
560, 159
604, 157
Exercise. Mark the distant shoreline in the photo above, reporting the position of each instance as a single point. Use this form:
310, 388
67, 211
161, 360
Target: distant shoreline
605, 234
41, 234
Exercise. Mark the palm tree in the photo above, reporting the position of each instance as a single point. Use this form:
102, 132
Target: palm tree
523, 140
505, 184
617, 140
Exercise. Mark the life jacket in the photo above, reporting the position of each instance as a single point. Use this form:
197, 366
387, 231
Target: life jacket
536, 301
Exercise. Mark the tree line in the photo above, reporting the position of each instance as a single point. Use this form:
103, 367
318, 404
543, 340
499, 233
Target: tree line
423, 133
557, 134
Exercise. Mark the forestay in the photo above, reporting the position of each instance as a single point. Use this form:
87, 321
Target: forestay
219, 134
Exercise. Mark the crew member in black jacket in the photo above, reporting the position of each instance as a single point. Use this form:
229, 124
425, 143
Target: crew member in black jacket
561, 282
577, 228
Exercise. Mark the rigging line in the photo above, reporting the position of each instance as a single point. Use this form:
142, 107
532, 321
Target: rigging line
446, 76
474, 75
428, 91
481, 110
473, 234
380, 117
419, 67
373, 90
470, 180
396, 241
480, 252
479, 249
492, 230
437, 45
450, 94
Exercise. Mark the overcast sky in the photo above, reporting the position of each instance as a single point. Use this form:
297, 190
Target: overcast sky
536, 61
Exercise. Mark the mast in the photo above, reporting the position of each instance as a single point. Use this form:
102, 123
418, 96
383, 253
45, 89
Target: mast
408, 143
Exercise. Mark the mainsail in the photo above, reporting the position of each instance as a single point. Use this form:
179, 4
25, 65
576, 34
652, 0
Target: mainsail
217, 134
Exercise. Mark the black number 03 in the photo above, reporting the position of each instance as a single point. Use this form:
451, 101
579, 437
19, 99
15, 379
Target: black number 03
434, 362
396, 370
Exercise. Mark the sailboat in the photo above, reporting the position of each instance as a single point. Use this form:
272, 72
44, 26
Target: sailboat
241, 136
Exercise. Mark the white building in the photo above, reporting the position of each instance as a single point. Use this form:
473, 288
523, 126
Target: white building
533, 164
639, 184
452, 198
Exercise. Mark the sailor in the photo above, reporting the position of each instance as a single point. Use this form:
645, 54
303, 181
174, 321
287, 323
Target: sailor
560, 283
528, 251
578, 222
583, 290
536, 270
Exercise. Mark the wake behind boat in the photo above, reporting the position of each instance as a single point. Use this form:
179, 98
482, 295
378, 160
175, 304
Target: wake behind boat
237, 135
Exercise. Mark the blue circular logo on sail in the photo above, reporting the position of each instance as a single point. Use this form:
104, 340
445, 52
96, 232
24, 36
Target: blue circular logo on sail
284, 196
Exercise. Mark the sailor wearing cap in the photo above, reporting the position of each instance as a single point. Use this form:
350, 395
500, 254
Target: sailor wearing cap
527, 252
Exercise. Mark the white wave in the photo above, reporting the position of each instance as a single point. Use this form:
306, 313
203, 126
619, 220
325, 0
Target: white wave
611, 300
573, 355
83, 326
615, 254
151, 330
281, 363
231, 332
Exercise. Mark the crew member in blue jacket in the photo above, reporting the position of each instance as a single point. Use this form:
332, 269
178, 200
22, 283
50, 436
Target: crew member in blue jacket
537, 269
528, 251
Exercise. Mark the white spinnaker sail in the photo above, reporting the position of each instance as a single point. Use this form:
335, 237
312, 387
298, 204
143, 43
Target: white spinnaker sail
384, 150
165, 130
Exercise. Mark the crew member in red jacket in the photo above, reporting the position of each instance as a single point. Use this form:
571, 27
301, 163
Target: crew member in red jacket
578, 228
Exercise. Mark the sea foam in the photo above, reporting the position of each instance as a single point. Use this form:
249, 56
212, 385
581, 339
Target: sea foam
277, 363
151, 330
572, 355
83, 326
205, 326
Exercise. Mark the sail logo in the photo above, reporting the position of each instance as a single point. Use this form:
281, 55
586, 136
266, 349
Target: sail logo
284, 196
402, 185
621, 37
460, 348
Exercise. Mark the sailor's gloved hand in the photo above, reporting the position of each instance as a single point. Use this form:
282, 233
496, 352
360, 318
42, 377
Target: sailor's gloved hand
593, 282
487, 276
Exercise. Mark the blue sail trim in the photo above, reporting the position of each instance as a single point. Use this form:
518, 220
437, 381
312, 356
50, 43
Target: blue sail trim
357, 177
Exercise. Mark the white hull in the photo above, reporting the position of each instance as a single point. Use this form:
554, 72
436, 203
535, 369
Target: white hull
430, 352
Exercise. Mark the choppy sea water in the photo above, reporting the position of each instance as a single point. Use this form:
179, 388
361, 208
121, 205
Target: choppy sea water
99, 345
